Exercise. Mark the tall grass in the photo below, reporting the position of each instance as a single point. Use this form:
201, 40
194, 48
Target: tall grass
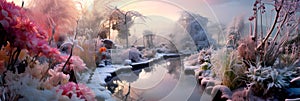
89, 53
228, 67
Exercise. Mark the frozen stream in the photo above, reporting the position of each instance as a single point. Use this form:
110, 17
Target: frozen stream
164, 80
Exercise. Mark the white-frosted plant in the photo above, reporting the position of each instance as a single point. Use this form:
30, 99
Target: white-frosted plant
234, 31
192, 60
29, 88
296, 79
227, 67
266, 78
89, 46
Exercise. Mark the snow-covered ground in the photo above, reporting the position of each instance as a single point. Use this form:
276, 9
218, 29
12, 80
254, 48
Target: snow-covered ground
96, 79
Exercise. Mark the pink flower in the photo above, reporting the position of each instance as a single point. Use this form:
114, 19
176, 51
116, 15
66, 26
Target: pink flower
57, 77
24, 33
79, 90
75, 63
69, 89
87, 93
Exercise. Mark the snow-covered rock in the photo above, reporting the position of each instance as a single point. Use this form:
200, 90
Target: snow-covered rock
135, 55
189, 71
207, 82
127, 62
221, 92
209, 89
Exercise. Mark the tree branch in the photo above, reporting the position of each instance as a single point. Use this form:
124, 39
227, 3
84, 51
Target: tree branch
273, 26
281, 24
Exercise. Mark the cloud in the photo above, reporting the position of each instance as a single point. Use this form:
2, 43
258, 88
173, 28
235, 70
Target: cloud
217, 2
220, 2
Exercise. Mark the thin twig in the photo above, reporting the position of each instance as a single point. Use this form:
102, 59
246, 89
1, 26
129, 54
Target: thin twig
71, 49
13, 58
281, 24
17, 56
273, 26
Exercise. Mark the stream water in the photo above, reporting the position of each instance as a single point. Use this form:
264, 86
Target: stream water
164, 80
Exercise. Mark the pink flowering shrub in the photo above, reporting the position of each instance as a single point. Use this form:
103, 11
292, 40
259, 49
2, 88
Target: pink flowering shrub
75, 63
80, 90
20, 35
57, 77
58, 15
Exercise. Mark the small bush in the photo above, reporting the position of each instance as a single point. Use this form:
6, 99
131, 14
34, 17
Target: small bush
228, 67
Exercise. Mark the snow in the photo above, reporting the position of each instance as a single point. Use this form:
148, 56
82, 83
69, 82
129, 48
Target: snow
160, 55
105, 70
111, 68
96, 79
102, 95
157, 57
142, 62
191, 67
97, 85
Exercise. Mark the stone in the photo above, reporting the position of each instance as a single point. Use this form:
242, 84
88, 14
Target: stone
209, 89
127, 62
221, 93
189, 71
200, 79
207, 82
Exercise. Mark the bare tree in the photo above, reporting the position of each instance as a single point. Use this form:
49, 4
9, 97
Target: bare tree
195, 25
121, 21
234, 32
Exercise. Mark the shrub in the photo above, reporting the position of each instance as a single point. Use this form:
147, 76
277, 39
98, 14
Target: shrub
267, 79
228, 67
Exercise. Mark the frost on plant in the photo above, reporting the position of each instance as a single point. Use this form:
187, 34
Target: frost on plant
267, 78
228, 67
29, 65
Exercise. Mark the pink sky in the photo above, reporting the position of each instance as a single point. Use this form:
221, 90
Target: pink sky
215, 10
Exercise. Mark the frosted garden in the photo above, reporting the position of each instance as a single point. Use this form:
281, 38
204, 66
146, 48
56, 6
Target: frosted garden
91, 50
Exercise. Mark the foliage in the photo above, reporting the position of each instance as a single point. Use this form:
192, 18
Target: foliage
79, 90
195, 25
204, 55
234, 32
27, 86
202, 58
57, 15
263, 79
87, 44
272, 53
22, 33
228, 67
270, 60
92, 15
192, 60
120, 21
245, 49
285, 21
30, 67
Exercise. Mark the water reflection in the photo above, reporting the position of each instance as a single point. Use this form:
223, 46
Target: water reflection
163, 80
174, 67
